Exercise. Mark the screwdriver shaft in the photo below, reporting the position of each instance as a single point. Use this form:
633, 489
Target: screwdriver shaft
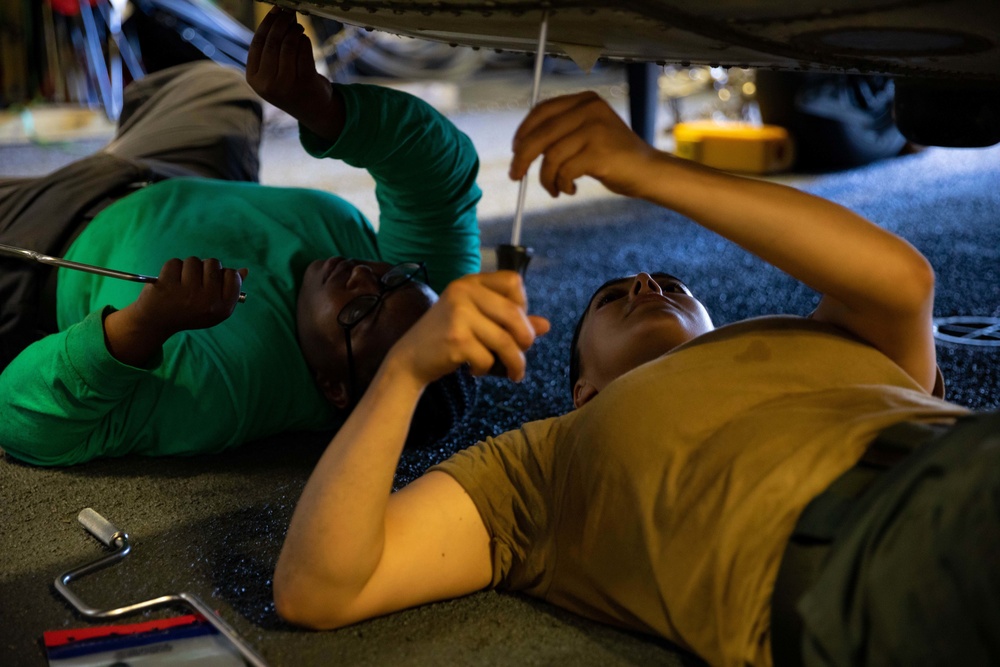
515, 235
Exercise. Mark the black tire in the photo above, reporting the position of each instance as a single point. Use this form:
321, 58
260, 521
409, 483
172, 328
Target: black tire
837, 121
957, 114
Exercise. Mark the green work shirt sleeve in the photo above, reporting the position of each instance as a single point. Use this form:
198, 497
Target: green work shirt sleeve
67, 400
57, 395
425, 172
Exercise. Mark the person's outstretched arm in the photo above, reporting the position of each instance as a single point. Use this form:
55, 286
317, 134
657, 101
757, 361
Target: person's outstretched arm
353, 549
874, 284
424, 168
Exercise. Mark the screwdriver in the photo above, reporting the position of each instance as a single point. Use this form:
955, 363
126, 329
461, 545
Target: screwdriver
513, 256
89, 268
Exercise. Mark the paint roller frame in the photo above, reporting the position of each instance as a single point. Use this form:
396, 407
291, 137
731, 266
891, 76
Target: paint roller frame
110, 536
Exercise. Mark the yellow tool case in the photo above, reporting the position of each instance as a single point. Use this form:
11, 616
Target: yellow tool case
735, 146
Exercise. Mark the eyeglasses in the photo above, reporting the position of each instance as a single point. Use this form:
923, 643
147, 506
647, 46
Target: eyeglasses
362, 306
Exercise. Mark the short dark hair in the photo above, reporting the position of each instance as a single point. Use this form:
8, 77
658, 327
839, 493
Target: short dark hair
443, 406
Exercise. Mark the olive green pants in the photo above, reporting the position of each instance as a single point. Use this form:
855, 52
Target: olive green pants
912, 573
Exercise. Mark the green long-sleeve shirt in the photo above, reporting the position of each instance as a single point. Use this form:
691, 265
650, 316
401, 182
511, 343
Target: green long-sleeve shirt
66, 400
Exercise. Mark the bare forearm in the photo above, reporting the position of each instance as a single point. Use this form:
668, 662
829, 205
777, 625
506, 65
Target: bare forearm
822, 244
873, 283
128, 340
325, 116
354, 551
337, 533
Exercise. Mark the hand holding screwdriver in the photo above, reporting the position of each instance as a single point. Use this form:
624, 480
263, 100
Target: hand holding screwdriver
513, 256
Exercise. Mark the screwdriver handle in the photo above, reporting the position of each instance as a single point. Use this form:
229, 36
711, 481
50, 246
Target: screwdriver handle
513, 258
510, 258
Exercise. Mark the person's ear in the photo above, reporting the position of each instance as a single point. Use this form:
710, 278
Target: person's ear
335, 391
583, 391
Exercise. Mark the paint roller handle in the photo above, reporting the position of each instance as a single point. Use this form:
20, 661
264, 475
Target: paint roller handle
99, 527
510, 258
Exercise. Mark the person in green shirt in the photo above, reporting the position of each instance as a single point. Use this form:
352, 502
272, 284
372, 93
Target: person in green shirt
178, 367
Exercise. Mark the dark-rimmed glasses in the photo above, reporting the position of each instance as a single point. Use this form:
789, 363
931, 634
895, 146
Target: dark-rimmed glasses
362, 306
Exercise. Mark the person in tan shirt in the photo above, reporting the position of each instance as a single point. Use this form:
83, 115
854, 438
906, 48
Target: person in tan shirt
668, 501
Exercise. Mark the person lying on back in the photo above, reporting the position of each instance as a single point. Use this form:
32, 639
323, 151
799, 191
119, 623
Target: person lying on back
177, 367
782, 490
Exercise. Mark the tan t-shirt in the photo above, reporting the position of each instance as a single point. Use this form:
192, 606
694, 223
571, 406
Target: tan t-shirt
664, 504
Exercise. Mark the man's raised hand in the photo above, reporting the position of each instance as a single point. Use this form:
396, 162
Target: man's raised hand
281, 69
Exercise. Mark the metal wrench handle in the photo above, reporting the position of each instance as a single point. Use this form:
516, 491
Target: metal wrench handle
79, 266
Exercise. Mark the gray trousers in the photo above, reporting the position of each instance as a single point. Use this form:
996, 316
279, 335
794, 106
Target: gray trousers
197, 119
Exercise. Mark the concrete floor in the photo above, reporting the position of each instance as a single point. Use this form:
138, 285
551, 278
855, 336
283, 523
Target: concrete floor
213, 525
487, 109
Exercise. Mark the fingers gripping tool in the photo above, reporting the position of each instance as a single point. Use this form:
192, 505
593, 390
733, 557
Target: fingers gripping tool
513, 256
